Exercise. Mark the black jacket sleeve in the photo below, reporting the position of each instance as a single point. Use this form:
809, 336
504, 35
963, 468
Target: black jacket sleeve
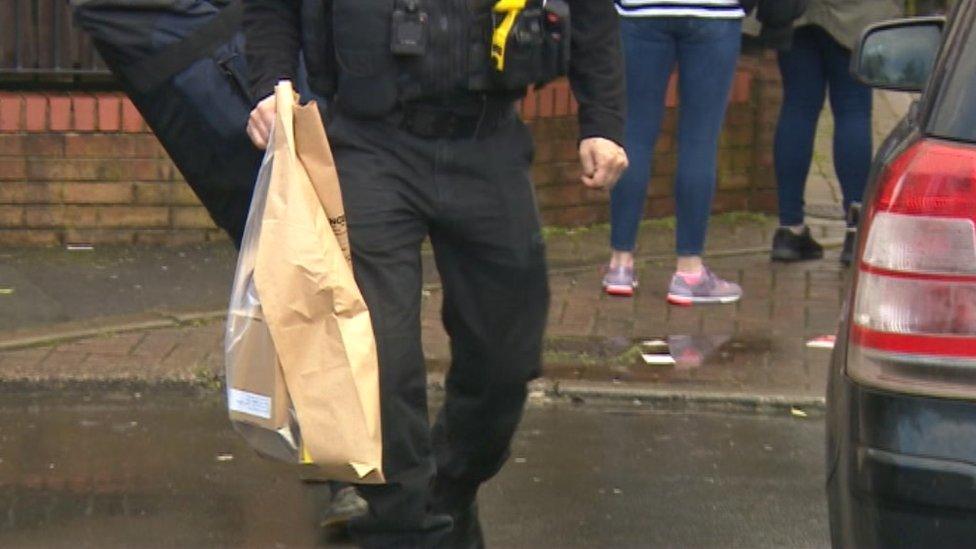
272, 41
777, 18
596, 69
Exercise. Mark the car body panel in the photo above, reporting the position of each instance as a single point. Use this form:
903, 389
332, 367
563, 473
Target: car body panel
901, 470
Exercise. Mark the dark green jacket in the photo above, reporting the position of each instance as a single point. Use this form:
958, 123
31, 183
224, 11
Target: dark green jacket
845, 20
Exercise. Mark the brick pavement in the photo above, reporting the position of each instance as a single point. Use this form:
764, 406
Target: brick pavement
757, 346
761, 340
192, 353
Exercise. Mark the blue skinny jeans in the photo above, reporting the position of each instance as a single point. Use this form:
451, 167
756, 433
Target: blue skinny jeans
815, 65
705, 51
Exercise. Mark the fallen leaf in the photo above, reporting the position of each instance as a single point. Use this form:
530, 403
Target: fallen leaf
796, 412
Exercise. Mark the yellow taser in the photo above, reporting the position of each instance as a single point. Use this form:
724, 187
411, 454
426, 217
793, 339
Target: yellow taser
499, 39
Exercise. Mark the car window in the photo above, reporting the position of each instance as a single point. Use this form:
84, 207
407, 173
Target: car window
954, 115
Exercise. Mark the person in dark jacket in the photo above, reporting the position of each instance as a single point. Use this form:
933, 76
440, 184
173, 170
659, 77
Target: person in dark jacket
428, 144
815, 62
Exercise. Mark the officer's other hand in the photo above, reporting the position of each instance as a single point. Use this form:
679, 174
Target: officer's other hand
261, 121
603, 161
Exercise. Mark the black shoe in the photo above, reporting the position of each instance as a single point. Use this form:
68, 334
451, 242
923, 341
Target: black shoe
461, 504
466, 532
344, 506
847, 254
337, 504
788, 246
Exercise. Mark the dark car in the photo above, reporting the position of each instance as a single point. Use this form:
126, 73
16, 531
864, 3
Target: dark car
901, 423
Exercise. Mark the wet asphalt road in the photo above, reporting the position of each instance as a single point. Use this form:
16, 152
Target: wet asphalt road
162, 468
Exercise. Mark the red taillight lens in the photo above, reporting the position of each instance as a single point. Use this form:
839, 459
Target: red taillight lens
914, 316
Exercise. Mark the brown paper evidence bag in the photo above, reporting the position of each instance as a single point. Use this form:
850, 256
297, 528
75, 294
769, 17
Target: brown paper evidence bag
302, 373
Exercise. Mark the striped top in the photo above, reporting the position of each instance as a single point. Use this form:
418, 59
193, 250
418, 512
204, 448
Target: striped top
728, 9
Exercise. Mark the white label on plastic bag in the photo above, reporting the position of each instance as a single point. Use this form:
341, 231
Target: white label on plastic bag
249, 403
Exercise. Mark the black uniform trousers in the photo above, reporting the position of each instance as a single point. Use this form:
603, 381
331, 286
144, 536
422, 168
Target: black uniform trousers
474, 198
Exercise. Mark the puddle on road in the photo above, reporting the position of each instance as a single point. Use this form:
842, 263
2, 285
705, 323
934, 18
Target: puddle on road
118, 472
164, 469
713, 361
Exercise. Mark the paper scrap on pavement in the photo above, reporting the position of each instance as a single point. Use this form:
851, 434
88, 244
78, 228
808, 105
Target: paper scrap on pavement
656, 352
822, 342
658, 360
655, 344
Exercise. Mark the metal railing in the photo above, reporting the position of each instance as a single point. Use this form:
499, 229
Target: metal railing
40, 43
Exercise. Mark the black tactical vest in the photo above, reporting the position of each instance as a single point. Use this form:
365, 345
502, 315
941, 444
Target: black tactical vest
359, 59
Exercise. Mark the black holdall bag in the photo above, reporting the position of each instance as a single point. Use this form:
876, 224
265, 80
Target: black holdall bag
777, 18
181, 62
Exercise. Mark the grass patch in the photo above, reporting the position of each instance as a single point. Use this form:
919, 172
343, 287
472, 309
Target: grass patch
204, 377
630, 357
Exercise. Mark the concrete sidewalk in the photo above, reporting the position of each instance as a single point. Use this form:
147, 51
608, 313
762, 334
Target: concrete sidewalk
156, 315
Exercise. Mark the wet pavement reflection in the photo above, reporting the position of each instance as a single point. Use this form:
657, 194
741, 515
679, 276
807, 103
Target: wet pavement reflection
162, 468
123, 470
755, 363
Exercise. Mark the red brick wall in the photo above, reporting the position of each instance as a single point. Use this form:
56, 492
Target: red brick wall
83, 168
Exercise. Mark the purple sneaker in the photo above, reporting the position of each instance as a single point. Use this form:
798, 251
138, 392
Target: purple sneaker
709, 289
620, 281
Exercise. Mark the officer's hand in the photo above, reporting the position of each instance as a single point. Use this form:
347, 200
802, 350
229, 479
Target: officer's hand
603, 161
261, 121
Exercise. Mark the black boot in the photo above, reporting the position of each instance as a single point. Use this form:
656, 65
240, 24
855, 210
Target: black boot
789, 246
850, 239
466, 533
847, 253
336, 504
461, 503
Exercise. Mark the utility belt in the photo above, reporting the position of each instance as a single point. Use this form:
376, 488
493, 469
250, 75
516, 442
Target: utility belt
474, 118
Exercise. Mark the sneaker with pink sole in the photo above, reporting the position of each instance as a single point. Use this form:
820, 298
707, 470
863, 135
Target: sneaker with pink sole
620, 281
708, 288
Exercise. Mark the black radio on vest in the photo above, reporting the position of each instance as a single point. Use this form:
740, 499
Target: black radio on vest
530, 42
383, 52
408, 31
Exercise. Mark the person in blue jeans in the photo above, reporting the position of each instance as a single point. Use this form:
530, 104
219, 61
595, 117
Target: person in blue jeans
815, 65
703, 39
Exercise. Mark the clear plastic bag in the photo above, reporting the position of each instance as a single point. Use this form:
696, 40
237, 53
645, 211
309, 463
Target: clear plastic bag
266, 419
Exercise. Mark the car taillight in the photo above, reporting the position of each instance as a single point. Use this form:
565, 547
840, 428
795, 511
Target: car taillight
913, 323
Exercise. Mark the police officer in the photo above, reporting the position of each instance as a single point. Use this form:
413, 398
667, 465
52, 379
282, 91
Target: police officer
427, 142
